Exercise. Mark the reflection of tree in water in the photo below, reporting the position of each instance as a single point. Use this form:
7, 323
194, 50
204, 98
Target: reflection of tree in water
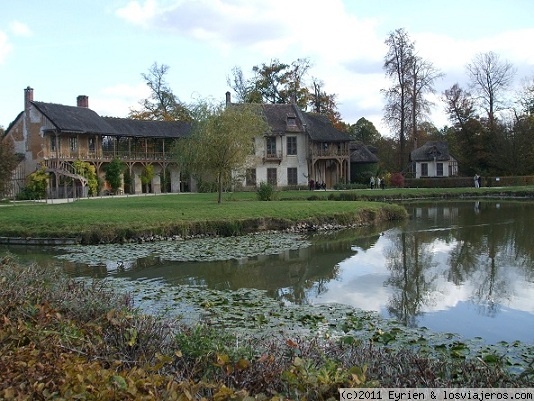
410, 262
487, 242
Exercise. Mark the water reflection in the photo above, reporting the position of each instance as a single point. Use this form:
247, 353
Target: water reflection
464, 267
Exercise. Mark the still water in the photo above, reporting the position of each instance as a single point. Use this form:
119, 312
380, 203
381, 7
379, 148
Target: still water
465, 267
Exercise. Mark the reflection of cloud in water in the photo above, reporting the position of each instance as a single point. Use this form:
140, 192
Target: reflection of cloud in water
366, 292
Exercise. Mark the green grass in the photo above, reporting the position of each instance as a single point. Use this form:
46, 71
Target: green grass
164, 214
112, 218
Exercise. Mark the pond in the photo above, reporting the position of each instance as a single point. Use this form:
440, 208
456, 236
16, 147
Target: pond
465, 267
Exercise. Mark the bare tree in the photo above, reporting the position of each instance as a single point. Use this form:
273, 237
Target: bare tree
423, 76
397, 65
490, 79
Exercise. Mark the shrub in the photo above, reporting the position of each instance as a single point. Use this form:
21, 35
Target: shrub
397, 180
36, 185
265, 192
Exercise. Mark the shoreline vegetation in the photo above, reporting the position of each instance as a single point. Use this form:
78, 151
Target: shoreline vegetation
65, 338
180, 216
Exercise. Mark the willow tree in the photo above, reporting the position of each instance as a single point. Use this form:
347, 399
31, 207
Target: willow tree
221, 141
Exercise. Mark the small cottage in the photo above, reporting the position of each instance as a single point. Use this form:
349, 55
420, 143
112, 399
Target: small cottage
433, 160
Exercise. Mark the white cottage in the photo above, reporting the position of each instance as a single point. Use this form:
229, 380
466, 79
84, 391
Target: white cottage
433, 160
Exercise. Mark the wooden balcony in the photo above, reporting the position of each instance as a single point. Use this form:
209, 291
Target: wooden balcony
272, 157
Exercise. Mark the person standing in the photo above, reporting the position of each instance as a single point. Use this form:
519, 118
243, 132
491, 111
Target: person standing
372, 182
476, 180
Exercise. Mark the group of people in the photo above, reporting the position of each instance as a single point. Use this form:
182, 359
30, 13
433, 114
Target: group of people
377, 183
316, 185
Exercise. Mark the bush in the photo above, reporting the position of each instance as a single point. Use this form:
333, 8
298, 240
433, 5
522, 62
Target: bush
397, 180
265, 192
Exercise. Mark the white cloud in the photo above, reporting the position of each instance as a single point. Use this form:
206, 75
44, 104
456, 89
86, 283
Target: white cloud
138, 13
118, 100
5, 47
20, 29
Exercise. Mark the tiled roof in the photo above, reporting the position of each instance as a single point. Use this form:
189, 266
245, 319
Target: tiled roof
431, 150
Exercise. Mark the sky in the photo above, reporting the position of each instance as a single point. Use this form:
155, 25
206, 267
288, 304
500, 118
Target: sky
101, 48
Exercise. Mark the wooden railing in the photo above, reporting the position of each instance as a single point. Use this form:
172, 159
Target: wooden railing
110, 155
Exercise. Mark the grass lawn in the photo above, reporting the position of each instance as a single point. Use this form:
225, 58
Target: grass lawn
154, 213
168, 214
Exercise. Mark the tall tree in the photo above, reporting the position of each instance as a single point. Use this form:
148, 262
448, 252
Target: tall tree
459, 105
221, 140
324, 103
397, 65
467, 136
162, 104
281, 83
412, 79
242, 87
490, 79
526, 97
423, 77
364, 131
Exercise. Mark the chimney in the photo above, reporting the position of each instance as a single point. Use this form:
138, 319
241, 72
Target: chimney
28, 97
228, 99
82, 101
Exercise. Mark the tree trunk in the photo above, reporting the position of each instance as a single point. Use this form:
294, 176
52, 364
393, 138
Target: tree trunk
219, 197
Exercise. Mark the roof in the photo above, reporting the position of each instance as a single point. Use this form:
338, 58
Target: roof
360, 153
277, 114
430, 151
149, 128
75, 119
318, 126
84, 120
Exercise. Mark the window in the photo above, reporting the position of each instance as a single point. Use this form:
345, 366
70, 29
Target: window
291, 120
292, 176
250, 180
107, 143
439, 169
424, 169
271, 176
292, 145
271, 146
91, 145
73, 142
53, 143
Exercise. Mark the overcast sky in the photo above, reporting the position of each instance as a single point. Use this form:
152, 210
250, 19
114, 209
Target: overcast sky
100, 48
